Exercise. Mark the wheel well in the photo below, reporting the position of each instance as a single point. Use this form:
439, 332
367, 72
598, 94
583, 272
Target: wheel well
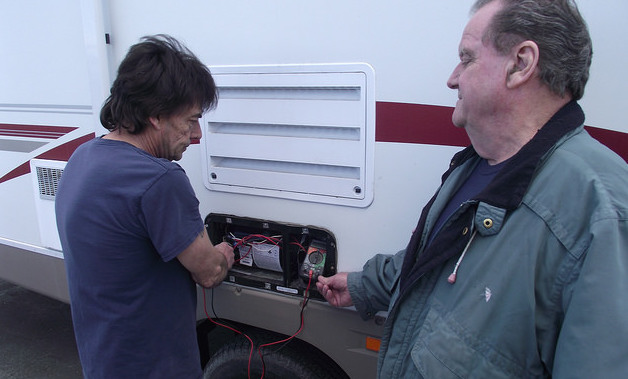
212, 337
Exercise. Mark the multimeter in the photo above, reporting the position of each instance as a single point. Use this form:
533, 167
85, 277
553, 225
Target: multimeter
314, 260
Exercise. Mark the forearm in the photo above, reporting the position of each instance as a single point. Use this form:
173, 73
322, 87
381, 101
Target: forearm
207, 263
372, 289
212, 272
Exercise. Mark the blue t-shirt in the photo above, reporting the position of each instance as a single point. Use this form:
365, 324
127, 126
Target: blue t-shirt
480, 177
123, 217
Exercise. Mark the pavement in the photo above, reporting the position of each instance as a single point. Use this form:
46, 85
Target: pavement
36, 336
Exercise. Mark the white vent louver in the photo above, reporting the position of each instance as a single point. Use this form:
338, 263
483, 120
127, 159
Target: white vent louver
46, 175
300, 132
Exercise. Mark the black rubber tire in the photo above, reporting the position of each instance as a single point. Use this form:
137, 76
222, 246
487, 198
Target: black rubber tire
294, 360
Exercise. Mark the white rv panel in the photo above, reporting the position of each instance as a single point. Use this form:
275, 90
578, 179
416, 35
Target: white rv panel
308, 133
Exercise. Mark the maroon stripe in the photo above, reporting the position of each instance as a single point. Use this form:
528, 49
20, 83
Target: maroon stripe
63, 152
396, 122
22, 169
37, 131
417, 123
59, 153
616, 141
431, 124
31, 134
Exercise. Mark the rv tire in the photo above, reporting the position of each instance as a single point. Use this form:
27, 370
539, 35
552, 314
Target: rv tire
294, 360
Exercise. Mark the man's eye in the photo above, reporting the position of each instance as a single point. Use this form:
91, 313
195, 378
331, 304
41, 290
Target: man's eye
465, 61
465, 58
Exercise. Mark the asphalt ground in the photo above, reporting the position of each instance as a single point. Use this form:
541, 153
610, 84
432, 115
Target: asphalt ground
36, 336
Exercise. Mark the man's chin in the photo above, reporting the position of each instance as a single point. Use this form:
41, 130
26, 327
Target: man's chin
457, 121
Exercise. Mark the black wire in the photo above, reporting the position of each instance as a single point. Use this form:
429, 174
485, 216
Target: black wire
212, 305
214, 311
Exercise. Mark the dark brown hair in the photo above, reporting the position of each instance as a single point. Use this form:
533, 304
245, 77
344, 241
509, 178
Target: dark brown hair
158, 77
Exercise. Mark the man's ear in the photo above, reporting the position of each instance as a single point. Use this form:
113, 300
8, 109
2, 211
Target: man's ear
154, 122
525, 60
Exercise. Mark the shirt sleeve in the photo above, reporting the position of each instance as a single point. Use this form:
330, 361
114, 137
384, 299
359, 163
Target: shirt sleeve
171, 213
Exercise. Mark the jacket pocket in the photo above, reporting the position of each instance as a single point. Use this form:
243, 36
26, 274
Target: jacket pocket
445, 350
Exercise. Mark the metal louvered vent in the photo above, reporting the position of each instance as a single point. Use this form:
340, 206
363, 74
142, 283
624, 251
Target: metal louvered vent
48, 181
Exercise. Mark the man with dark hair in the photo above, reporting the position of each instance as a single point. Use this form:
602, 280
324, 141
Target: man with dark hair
133, 240
517, 268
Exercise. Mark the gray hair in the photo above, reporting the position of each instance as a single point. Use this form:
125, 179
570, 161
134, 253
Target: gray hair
560, 32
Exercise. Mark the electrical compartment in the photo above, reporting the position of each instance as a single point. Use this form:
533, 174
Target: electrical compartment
275, 256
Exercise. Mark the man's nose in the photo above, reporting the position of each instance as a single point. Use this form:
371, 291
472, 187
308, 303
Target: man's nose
452, 82
197, 132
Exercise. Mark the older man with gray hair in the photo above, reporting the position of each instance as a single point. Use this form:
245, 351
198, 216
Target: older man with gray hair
518, 266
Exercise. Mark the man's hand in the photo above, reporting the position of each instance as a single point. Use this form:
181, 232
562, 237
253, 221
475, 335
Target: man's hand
207, 263
335, 290
227, 251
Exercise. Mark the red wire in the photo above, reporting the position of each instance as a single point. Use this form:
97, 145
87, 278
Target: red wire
259, 349
248, 369
243, 242
299, 245
245, 255
272, 240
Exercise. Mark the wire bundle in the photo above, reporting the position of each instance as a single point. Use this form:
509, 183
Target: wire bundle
259, 349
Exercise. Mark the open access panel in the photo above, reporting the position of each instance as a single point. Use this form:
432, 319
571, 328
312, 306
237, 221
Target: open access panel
275, 256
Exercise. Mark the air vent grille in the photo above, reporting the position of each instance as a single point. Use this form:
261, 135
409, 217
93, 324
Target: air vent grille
48, 181
45, 177
297, 132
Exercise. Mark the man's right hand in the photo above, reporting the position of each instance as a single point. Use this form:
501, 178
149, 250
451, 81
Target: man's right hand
207, 263
335, 289
227, 251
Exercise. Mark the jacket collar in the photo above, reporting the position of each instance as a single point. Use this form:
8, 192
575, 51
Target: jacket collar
505, 192
511, 183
